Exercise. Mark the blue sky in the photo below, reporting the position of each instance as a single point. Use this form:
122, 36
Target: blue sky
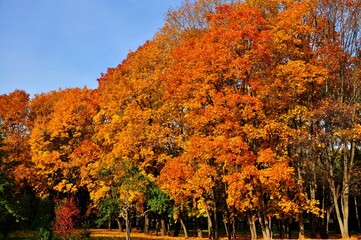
50, 44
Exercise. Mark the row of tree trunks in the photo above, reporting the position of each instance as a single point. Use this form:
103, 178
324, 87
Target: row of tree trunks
284, 229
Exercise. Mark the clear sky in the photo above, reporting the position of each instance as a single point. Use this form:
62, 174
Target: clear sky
50, 44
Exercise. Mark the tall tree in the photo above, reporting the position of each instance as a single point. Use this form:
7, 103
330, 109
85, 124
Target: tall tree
62, 138
15, 126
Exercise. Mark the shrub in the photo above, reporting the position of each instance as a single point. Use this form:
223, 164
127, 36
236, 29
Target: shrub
66, 214
45, 234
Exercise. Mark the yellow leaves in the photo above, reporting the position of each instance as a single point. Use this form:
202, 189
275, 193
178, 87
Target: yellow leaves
202, 182
287, 206
352, 134
295, 76
202, 207
289, 28
127, 195
240, 191
62, 121
100, 192
65, 187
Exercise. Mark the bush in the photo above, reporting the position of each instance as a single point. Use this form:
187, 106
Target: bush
45, 234
66, 214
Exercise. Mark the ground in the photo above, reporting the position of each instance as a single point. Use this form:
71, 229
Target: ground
104, 234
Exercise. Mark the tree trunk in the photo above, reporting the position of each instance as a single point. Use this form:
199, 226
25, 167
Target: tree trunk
228, 233
210, 225
340, 219
313, 190
234, 229
127, 224
120, 225
162, 225
177, 229
342, 210
157, 225
281, 229
252, 227
216, 228
146, 223
328, 216
313, 225
264, 223
301, 227
184, 226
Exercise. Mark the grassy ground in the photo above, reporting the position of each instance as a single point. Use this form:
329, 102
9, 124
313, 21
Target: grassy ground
103, 234
115, 234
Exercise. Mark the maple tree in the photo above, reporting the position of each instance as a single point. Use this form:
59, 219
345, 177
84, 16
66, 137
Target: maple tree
322, 47
343, 95
15, 127
6, 207
131, 122
124, 185
60, 140
159, 202
15, 165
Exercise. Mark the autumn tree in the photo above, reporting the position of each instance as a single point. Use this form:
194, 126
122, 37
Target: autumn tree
318, 46
14, 200
61, 139
15, 126
15, 165
159, 202
124, 185
337, 115
132, 123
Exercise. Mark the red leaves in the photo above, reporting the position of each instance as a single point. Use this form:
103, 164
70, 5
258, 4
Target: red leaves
66, 215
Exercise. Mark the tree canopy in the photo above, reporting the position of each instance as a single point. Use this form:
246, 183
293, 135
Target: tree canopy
234, 110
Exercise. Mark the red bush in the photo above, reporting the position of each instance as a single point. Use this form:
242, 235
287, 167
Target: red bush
66, 214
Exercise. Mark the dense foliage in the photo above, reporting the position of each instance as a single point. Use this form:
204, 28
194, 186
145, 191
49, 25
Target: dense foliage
236, 111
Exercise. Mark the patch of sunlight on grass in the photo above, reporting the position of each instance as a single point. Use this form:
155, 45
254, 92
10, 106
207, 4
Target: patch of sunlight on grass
116, 234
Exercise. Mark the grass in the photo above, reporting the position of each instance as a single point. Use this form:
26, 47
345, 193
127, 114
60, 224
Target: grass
104, 234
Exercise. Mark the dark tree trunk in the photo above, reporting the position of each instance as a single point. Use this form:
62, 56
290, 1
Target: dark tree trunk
199, 228
177, 228
313, 225
216, 227
120, 225
357, 216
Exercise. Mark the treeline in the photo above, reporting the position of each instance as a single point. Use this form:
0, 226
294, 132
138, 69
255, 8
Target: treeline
236, 111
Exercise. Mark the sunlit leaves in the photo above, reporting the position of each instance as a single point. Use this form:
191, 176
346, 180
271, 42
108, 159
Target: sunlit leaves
60, 140
15, 127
